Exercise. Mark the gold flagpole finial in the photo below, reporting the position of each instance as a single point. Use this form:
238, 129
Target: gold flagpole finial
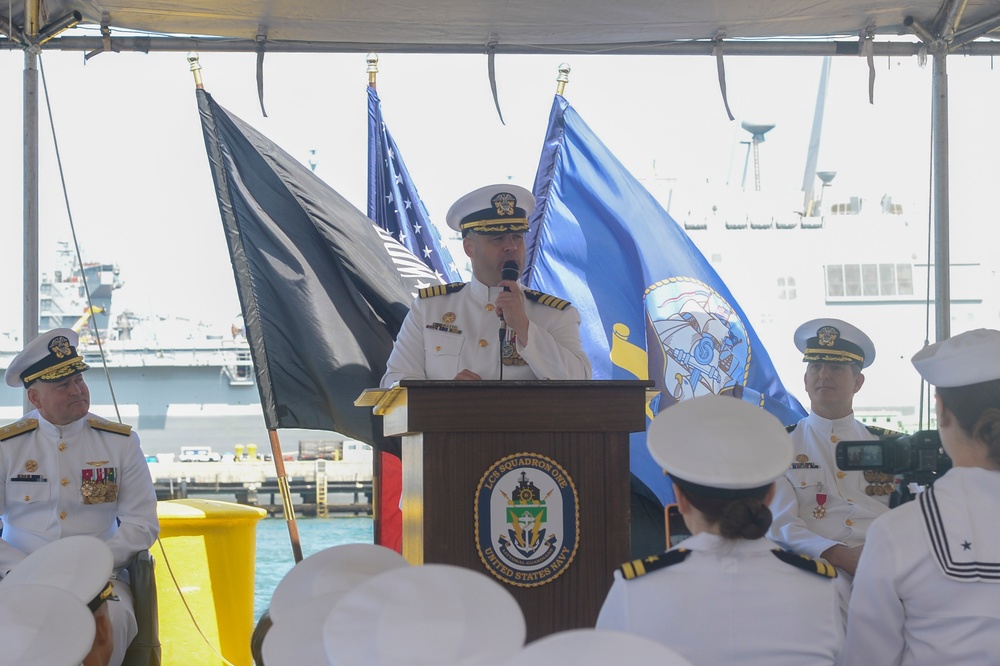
562, 79
194, 61
372, 61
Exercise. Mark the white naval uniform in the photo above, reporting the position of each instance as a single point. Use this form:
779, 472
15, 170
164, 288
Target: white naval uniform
730, 602
849, 509
445, 334
905, 609
43, 473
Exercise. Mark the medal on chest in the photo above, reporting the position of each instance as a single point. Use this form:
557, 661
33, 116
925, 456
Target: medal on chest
99, 485
879, 483
508, 350
820, 510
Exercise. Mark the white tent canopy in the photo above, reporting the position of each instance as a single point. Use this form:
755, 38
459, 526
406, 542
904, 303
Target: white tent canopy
524, 26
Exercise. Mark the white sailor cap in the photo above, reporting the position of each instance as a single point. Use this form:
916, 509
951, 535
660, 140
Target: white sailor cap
834, 341
967, 358
48, 358
719, 446
494, 209
307, 593
41, 624
429, 614
596, 647
330, 573
79, 564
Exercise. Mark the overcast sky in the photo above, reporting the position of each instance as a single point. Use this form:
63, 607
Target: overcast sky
142, 196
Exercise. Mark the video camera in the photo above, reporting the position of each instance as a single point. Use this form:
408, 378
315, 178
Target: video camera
918, 458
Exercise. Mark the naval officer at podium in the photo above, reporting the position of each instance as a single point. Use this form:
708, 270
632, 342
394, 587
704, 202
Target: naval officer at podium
490, 327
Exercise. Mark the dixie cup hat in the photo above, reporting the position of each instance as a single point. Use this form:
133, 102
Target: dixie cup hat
961, 360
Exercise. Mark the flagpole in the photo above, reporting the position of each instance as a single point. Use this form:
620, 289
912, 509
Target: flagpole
279, 462
562, 79
286, 494
372, 61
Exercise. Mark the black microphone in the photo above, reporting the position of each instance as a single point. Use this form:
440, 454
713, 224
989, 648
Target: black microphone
510, 271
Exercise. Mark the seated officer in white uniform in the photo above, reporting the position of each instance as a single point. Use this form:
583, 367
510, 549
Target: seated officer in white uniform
65, 471
819, 510
927, 590
726, 595
490, 327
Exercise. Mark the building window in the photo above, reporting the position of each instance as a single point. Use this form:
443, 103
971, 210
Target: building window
786, 289
868, 281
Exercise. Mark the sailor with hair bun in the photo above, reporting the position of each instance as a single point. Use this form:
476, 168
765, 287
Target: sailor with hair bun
726, 595
927, 589
491, 327
65, 471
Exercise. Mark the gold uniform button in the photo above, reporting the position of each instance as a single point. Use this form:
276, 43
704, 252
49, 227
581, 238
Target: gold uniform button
840, 474
438, 348
850, 501
803, 484
27, 498
834, 439
489, 307
848, 522
65, 482
62, 516
483, 343
62, 447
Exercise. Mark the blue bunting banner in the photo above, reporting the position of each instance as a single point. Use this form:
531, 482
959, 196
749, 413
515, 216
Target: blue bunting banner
652, 306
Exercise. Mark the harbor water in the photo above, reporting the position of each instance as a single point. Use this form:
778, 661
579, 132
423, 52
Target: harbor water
274, 549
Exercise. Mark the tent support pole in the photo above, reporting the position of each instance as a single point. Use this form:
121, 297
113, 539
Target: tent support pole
29, 322
939, 160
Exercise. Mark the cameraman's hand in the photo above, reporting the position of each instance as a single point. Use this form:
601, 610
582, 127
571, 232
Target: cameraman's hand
843, 557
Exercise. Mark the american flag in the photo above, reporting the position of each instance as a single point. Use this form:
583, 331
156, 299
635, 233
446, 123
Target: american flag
393, 201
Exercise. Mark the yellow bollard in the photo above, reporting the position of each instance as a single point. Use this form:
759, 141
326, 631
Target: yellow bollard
239, 452
252, 451
211, 548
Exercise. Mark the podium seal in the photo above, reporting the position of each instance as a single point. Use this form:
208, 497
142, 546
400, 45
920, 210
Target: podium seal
527, 519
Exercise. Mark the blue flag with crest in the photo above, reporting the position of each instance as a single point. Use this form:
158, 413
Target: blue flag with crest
393, 201
651, 305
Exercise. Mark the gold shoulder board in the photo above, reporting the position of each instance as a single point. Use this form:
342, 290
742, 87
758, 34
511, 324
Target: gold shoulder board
806, 563
110, 426
17, 428
637, 568
545, 299
439, 289
882, 433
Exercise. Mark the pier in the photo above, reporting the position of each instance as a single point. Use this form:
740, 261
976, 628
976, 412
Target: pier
325, 487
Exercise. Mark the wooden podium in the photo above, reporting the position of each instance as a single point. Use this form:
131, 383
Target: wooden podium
527, 481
